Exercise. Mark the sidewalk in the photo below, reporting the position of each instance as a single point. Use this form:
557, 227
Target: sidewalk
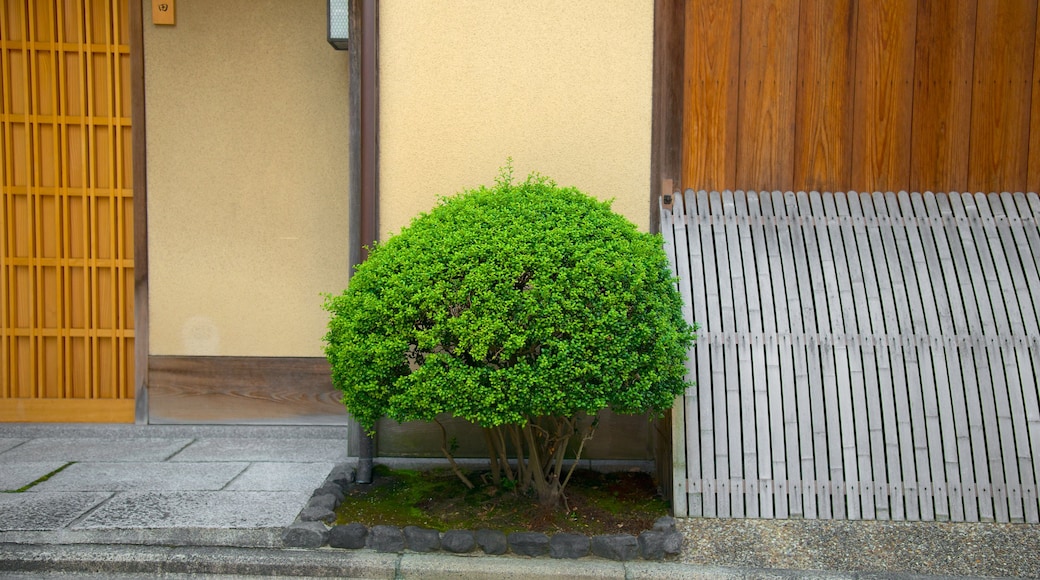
175, 485
138, 501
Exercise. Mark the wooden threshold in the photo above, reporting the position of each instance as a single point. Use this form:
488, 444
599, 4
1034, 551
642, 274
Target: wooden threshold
242, 390
67, 410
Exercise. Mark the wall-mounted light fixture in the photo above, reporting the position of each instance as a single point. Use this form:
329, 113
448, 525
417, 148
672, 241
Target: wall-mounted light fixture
339, 16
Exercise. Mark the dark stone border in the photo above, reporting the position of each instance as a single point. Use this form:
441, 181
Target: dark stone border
314, 528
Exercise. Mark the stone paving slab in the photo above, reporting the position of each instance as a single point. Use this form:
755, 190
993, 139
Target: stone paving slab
281, 477
450, 567
45, 511
197, 509
89, 449
18, 475
143, 477
8, 442
204, 562
193, 537
280, 450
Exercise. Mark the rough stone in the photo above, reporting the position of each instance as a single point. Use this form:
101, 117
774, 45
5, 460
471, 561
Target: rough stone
330, 489
342, 475
569, 546
658, 545
326, 501
422, 539
621, 547
531, 544
317, 514
664, 524
351, 536
385, 539
305, 535
493, 542
458, 541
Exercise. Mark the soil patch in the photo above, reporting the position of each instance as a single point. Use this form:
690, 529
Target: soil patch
597, 503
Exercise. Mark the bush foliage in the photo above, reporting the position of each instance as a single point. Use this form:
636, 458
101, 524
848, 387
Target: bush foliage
507, 304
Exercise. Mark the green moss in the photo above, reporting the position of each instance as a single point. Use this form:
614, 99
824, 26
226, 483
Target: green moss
38, 481
611, 503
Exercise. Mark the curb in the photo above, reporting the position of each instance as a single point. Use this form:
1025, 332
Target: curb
99, 560
329, 563
315, 528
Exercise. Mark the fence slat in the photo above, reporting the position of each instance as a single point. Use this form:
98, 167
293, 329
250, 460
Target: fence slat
725, 243
851, 403
713, 323
754, 400
703, 450
785, 351
802, 320
916, 364
675, 245
768, 409
942, 439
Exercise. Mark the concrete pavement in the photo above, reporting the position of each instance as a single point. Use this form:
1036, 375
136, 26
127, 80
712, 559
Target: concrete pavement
179, 485
128, 501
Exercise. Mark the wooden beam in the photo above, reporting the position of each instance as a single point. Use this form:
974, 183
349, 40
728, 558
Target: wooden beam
67, 411
140, 189
249, 390
667, 98
364, 164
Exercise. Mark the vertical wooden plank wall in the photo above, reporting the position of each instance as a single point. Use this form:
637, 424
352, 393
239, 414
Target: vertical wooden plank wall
883, 96
861, 95
942, 95
1004, 53
710, 92
823, 103
766, 96
66, 251
1033, 179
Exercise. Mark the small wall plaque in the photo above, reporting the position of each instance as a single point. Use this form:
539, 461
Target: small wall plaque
164, 12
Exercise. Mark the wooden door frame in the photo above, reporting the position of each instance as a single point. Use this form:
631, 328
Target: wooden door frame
140, 192
667, 103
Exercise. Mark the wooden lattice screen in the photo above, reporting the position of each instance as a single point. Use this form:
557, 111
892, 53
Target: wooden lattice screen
862, 356
66, 249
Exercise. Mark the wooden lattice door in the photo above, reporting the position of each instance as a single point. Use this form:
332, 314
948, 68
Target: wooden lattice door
66, 247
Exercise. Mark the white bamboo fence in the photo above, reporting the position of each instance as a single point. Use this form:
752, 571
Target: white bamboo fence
861, 356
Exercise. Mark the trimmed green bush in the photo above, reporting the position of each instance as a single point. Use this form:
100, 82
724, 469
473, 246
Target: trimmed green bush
519, 307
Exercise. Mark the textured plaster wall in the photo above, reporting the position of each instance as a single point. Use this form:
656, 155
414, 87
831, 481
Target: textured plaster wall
247, 127
564, 88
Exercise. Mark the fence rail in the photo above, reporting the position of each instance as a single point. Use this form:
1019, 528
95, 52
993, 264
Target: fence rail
861, 356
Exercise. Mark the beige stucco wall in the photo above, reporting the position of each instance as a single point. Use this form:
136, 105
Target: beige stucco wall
564, 88
247, 177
